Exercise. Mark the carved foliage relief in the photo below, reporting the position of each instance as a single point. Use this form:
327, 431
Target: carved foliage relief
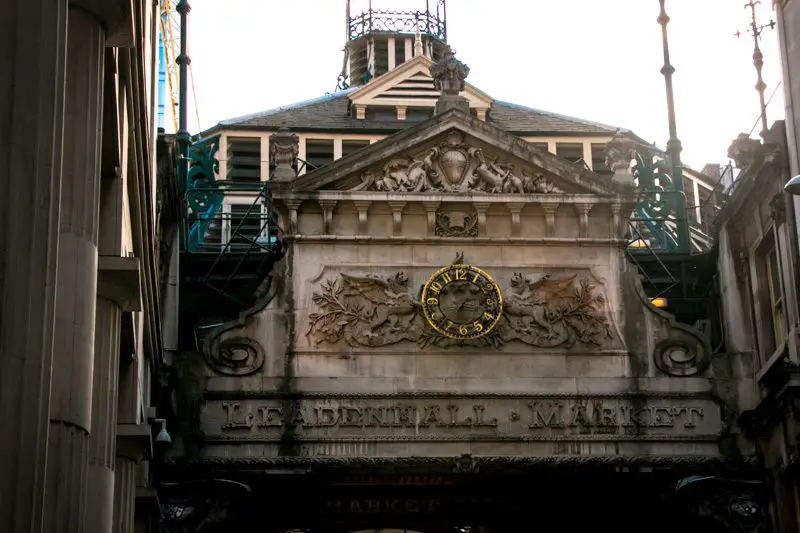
538, 310
453, 166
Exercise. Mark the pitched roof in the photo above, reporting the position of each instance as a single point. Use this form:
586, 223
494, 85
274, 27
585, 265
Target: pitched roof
518, 119
348, 170
331, 113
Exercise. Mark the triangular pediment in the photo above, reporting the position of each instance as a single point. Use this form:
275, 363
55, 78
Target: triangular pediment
411, 84
455, 153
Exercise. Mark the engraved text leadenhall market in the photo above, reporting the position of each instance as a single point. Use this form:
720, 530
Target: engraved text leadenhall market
435, 324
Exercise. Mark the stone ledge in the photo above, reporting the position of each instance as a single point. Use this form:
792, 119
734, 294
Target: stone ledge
134, 441
118, 279
117, 18
455, 197
433, 241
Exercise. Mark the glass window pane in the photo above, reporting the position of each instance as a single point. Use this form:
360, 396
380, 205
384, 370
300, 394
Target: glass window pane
775, 286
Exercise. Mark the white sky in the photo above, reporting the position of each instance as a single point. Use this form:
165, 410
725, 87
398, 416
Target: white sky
593, 59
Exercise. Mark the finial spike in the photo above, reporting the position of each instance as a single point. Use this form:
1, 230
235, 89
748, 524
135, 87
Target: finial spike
758, 61
418, 51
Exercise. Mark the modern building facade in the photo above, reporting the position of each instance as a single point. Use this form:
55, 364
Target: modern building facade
81, 346
409, 305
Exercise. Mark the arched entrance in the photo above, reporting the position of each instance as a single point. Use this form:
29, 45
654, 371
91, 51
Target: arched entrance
469, 496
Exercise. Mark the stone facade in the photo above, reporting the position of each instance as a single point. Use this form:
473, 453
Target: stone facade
338, 361
79, 328
758, 243
756, 267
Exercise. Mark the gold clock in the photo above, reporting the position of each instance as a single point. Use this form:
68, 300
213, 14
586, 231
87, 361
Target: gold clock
462, 302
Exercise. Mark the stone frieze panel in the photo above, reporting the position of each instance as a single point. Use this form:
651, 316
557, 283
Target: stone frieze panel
431, 418
559, 309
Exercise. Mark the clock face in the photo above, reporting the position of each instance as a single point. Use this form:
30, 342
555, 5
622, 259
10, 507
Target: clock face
462, 302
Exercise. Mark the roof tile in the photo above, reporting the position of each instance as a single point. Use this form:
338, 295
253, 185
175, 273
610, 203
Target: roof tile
331, 113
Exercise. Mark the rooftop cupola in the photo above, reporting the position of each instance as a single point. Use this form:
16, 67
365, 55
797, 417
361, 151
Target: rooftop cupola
380, 38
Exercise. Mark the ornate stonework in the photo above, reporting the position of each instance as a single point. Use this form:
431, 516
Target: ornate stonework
453, 166
283, 150
230, 349
456, 224
777, 207
619, 153
372, 311
449, 74
743, 150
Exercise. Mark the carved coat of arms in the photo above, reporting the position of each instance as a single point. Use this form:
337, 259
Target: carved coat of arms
453, 166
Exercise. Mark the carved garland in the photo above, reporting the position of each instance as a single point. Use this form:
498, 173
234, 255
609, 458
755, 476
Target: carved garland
370, 311
453, 166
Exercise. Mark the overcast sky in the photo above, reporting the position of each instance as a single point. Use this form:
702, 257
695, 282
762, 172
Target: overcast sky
594, 59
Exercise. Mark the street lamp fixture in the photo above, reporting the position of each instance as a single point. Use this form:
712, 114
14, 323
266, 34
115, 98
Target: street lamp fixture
793, 186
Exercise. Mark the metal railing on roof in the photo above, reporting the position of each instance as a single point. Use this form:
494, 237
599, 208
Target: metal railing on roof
374, 21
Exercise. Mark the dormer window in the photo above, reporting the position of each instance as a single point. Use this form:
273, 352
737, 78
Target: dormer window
408, 94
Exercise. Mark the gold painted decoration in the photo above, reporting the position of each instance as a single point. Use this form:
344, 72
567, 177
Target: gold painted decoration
462, 302
459, 305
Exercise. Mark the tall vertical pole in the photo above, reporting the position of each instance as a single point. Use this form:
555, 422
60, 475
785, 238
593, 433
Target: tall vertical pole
444, 18
758, 62
347, 21
183, 72
674, 147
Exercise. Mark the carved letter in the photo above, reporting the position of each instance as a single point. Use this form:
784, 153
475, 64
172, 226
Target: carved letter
271, 416
327, 416
231, 423
550, 418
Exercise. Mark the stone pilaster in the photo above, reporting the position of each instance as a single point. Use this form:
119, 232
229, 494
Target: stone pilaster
102, 445
133, 444
125, 495
31, 134
71, 389
118, 291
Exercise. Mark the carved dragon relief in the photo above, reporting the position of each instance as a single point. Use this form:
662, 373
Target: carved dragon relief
453, 166
373, 311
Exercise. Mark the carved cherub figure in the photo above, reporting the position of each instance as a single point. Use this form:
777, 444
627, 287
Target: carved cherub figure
383, 299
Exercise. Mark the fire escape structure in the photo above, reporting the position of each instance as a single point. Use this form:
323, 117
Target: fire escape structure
673, 255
